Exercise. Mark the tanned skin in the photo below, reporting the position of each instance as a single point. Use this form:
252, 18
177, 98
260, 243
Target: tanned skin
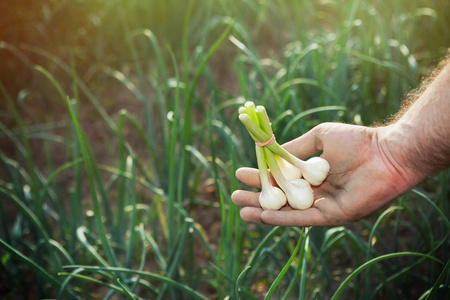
370, 166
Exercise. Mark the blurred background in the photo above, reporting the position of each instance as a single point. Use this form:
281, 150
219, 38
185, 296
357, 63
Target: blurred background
119, 141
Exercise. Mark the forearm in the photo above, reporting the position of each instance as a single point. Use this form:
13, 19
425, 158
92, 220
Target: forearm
419, 141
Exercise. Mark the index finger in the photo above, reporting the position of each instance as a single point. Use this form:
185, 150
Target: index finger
249, 176
245, 198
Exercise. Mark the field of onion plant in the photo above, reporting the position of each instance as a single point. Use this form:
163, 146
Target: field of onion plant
120, 137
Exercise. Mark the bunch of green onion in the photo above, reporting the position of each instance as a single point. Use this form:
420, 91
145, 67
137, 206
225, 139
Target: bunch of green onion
293, 175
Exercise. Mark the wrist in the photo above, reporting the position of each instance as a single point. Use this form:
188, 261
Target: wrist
420, 138
404, 154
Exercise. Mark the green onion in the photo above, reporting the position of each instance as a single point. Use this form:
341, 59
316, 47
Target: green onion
285, 167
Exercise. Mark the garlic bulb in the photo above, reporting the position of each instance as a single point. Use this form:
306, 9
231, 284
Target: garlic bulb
315, 170
271, 198
299, 193
289, 171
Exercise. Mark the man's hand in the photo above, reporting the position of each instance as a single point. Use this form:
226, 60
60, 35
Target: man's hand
363, 178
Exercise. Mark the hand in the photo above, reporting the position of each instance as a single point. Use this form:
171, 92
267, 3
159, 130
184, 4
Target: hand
364, 176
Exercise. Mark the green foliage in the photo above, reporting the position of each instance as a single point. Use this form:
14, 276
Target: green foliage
119, 140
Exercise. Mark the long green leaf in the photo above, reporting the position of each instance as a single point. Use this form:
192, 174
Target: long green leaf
40, 271
283, 271
89, 164
163, 279
358, 270
437, 283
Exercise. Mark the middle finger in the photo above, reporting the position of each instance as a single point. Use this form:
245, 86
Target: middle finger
245, 198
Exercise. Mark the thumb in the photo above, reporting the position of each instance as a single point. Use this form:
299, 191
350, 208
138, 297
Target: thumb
307, 144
